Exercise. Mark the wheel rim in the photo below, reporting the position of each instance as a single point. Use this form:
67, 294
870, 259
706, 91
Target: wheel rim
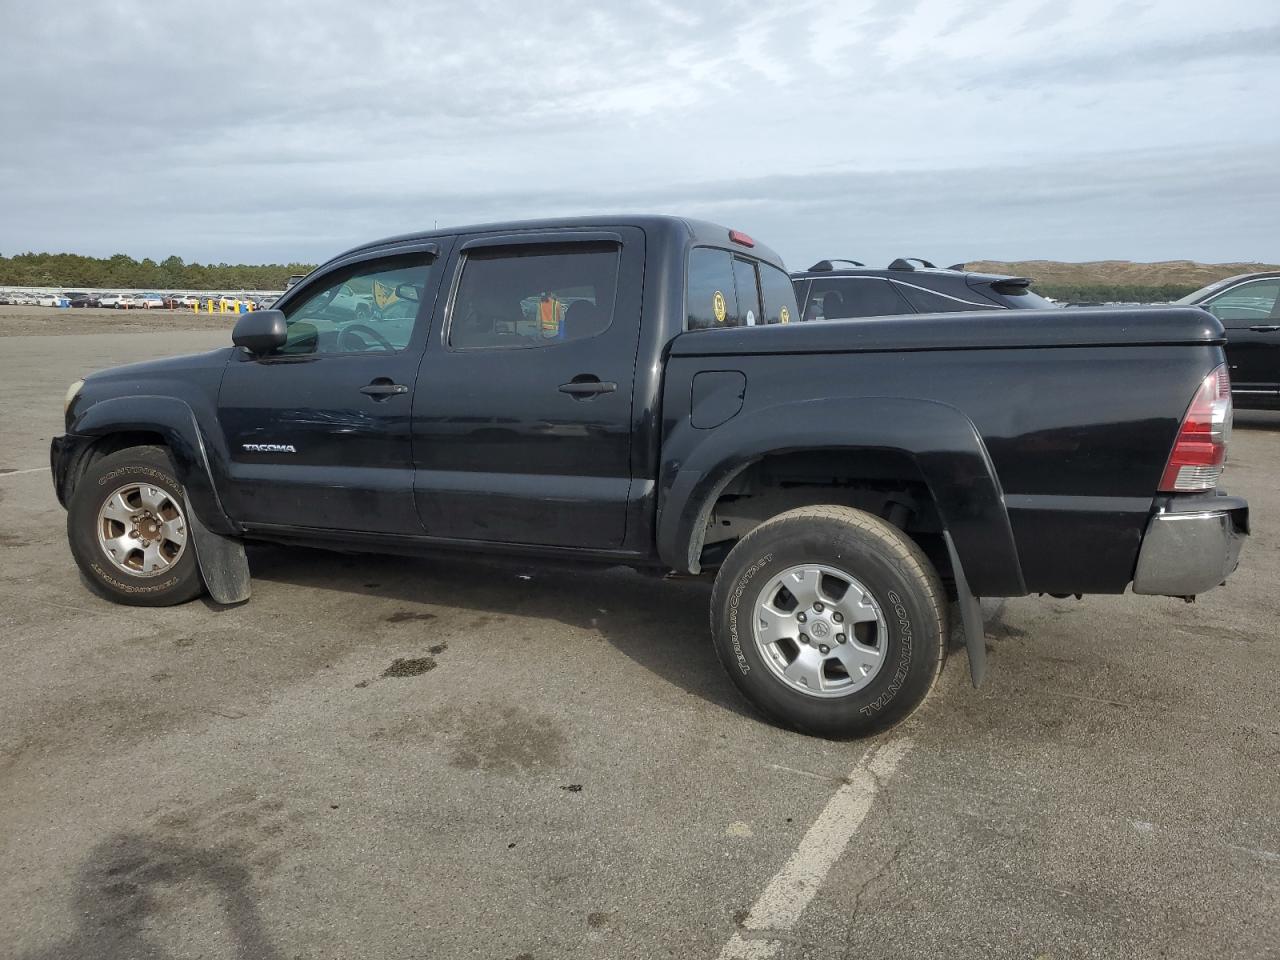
820, 631
142, 530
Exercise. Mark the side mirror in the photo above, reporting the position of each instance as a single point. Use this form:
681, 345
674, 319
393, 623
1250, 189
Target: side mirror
260, 332
407, 291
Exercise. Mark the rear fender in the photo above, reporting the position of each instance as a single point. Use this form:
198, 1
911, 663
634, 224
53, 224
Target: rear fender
939, 438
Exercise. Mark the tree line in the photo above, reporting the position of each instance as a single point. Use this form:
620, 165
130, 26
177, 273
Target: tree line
1113, 292
71, 270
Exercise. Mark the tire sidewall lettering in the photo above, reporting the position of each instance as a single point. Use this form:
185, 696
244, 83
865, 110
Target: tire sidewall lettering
904, 644
735, 603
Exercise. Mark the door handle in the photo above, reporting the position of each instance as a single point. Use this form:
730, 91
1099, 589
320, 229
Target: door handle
588, 388
382, 389
1266, 328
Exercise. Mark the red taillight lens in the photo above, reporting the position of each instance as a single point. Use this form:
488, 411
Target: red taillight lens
737, 236
1200, 452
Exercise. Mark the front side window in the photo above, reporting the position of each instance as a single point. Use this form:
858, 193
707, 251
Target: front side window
837, 298
1247, 304
371, 308
536, 296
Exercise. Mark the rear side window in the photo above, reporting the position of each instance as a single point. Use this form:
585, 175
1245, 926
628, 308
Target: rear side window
926, 301
838, 298
711, 297
779, 295
537, 296
1247, 304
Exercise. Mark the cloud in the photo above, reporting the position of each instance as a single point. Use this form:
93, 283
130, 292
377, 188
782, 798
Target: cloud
1074, 129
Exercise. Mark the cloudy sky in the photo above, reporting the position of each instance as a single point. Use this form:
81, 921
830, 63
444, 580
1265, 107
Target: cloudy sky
949, 129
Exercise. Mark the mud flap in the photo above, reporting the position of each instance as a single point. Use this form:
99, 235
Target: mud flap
975, 636
222, 561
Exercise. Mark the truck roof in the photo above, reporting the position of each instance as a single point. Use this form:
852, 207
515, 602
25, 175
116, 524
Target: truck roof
697, 232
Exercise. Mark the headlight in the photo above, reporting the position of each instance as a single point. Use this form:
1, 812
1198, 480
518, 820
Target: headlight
71, 395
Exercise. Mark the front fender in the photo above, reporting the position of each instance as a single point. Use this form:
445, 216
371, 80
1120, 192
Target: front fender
174, 420
939, 438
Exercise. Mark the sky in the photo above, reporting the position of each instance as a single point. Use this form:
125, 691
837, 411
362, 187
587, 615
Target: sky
953, 130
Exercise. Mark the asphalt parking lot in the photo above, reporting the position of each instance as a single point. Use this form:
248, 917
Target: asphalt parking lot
394, 758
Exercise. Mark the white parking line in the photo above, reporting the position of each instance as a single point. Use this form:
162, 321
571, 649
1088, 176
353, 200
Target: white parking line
14, 473
791, 889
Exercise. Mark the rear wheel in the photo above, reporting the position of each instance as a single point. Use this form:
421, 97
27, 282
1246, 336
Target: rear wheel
129, 533
830, 621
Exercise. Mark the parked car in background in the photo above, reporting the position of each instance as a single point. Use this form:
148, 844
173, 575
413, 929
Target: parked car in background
84, 299
1249, 308
121, 301
829, 291
53, 300
150, 301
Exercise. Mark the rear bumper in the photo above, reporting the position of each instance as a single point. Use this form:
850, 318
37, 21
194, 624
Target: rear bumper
1192, 544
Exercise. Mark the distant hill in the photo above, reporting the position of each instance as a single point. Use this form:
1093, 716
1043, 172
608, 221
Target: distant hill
1106, 280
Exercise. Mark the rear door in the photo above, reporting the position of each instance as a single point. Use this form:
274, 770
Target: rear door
1251, 313
319, 432
522, 418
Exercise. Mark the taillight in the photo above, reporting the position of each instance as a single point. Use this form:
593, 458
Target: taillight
1200, 452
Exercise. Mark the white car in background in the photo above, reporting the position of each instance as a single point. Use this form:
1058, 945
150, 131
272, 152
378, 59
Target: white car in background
149, 301
53, 300
119, 301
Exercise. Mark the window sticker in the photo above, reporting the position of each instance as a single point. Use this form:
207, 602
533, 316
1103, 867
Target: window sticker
718, 306
751, 318
785, 316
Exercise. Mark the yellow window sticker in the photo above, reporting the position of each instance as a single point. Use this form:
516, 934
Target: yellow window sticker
718, 305
785, 316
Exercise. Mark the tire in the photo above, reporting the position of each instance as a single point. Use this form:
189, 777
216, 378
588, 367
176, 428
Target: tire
890, 651
155, 572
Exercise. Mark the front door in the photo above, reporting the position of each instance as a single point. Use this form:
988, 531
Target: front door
522, 420
1251, 314
318, 432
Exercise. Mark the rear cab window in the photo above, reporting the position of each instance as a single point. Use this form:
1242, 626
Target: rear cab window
729, 290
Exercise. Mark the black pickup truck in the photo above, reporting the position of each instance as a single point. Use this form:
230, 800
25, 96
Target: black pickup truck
633, 390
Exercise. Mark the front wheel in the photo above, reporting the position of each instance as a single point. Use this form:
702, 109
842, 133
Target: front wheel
830, 621
128, 530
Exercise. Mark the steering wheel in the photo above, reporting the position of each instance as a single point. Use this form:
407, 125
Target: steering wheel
360, 330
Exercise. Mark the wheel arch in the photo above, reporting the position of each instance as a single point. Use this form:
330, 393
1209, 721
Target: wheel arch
933, 444
118, 423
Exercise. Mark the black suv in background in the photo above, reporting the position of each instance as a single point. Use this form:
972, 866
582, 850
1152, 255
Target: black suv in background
827, 291
1249, 307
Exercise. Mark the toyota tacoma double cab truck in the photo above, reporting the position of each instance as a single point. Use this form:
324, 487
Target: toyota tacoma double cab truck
636, 391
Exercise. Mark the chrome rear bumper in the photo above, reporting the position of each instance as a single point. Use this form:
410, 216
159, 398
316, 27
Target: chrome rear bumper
1192, 544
